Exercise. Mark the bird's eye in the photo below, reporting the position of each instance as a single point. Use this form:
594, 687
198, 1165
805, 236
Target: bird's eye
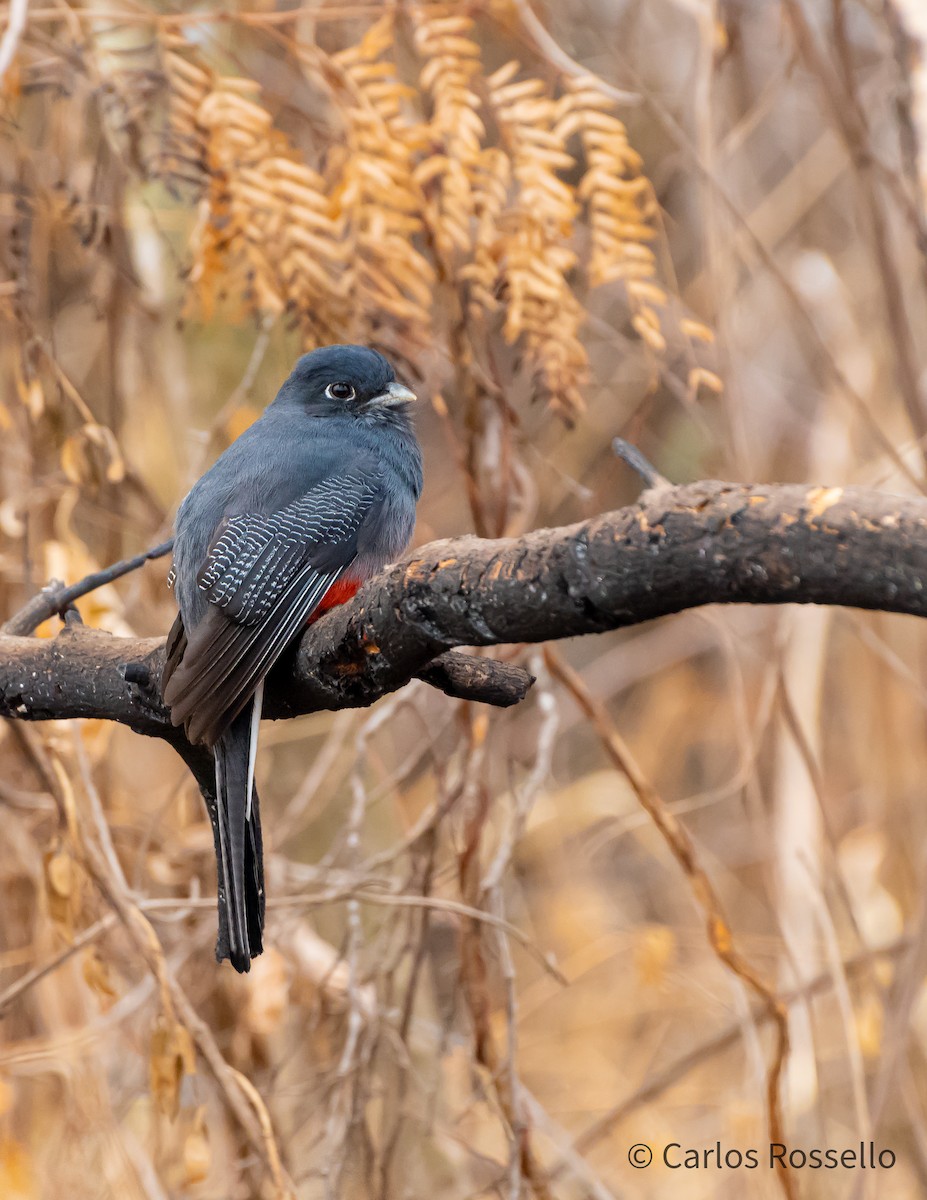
339, 391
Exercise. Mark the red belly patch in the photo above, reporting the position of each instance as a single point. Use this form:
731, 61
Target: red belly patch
339, 593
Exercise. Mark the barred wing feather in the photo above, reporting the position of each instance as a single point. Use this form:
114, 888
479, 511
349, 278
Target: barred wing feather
264, 576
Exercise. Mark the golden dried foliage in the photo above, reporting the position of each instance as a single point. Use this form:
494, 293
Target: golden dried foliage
63, 884
621, 206
265, 234
172, 1057
455, 130
415, 196
377, 194
537, 257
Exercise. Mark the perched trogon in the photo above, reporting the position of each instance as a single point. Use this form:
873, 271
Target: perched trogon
310, 501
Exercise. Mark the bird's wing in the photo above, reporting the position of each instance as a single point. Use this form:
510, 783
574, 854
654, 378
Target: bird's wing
263, 577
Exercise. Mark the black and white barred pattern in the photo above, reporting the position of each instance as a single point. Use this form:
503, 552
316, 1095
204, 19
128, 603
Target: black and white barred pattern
256, 557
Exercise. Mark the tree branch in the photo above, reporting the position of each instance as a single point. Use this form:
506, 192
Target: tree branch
56, 599
676, 548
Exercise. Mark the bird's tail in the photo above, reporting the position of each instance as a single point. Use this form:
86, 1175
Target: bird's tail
239, 850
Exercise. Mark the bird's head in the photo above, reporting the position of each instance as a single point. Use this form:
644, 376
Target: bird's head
352, 379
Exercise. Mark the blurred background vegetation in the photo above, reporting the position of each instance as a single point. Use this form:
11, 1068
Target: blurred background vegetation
697, 224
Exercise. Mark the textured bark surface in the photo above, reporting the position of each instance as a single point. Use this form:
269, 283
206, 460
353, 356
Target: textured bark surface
677, 548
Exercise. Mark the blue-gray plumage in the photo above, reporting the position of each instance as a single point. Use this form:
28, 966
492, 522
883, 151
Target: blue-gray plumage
315, 497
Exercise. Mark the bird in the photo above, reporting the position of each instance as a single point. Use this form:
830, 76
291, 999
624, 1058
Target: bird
309, 502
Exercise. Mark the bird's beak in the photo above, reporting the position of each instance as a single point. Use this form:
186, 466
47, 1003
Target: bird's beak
394, 395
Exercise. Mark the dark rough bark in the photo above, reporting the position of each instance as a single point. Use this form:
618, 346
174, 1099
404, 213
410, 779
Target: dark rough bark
677, 548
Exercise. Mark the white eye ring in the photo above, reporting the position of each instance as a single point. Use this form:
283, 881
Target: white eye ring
335, 391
